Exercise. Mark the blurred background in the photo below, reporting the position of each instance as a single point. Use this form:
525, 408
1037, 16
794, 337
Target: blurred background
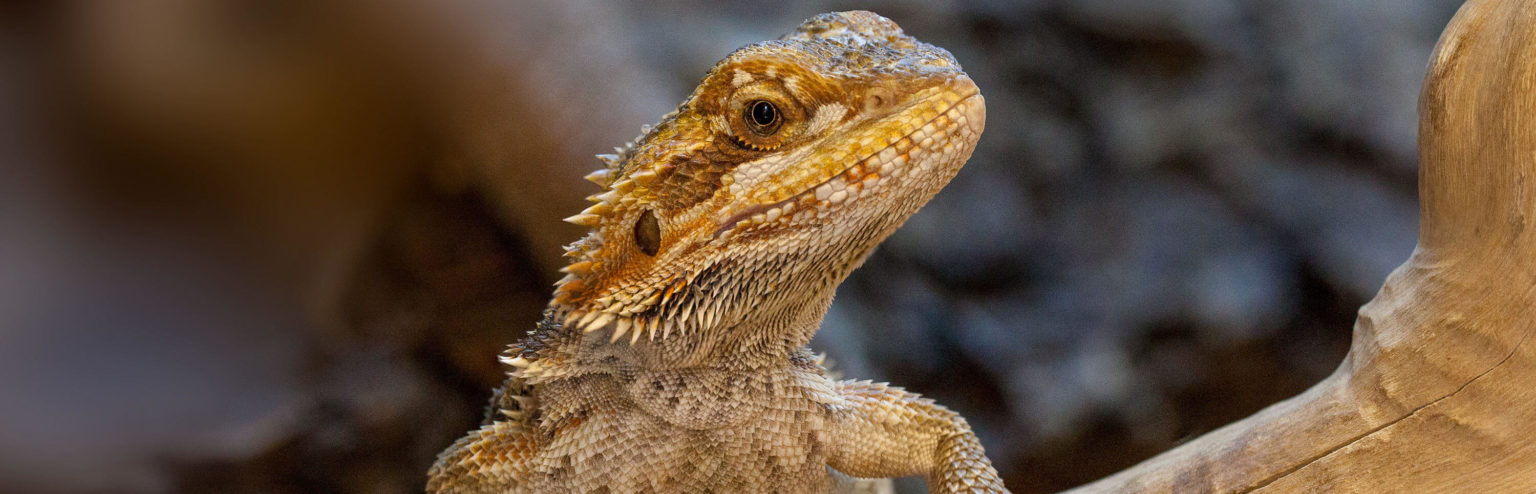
276, 245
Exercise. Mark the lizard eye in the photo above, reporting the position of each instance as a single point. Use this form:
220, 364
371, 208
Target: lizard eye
648, 234
762, 118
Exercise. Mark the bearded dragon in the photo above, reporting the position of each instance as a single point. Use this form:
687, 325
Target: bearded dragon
673, 355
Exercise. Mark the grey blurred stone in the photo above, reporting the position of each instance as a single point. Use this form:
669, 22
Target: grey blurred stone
1243, 293
1354, 68
1205, 21
971, 230
141, 351
897, 322
1356, 228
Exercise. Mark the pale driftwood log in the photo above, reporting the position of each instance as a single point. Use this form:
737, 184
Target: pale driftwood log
1438, 392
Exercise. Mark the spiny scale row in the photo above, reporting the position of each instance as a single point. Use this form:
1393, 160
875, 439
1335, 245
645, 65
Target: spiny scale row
605, 178
598, 319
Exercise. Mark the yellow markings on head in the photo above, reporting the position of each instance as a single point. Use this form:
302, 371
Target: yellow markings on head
784, 133
741, 78
793, 84
825, 116
720, 123
924, 134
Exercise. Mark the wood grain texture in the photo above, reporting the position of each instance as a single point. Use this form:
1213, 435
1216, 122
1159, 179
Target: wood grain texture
1438, 392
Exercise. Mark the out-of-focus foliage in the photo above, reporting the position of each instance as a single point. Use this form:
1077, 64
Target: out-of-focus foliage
274, 246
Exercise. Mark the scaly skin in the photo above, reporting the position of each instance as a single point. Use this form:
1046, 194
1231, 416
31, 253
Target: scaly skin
673, 356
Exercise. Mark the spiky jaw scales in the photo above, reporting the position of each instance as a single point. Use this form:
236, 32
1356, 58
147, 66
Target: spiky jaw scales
867, 156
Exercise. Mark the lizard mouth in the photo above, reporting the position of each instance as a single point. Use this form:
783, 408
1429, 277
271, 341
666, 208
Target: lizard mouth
934, 138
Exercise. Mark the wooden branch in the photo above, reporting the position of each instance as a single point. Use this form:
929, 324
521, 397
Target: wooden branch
1438, 392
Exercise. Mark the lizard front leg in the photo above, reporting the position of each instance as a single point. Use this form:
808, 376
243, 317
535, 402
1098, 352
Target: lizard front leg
494, 458
883, 431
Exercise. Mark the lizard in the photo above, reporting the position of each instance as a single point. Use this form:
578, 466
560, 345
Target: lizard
673, 355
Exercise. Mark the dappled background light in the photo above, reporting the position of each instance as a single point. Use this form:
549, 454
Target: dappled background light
275, 246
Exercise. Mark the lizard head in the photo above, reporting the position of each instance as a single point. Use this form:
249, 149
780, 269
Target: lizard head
780, 173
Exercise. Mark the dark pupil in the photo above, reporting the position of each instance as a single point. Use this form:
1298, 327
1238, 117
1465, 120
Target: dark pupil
763, 113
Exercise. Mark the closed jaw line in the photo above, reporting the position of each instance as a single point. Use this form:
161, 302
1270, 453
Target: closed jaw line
888, 162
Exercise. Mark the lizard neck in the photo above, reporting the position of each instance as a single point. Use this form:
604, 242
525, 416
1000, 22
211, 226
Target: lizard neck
767, 338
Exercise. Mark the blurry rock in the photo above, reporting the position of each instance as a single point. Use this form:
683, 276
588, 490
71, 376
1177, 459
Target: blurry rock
123, 351
1356, 228
969, 236
1354, 68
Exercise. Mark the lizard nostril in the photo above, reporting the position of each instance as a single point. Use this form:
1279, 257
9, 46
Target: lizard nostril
878, 98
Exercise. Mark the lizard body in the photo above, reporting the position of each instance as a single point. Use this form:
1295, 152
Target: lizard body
673, 355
